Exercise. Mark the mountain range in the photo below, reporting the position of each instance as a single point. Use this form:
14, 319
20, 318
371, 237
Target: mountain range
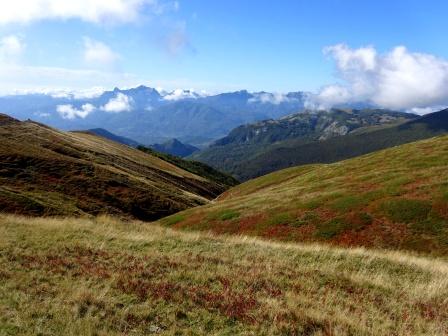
307, 137
148, 116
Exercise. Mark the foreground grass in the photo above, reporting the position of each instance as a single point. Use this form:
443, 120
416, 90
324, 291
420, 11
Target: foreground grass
105, 277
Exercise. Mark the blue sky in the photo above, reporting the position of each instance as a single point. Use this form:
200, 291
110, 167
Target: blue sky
209, 45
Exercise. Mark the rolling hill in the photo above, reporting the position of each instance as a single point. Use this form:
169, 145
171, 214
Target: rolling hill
395, 199
237, 159
44, 171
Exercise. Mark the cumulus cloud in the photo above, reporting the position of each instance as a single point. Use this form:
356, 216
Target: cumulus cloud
96, 11
70, 112
269, 98
121, 103
11, 48
398, 79
99, 54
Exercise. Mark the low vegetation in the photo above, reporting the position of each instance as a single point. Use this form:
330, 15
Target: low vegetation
106, 277
394, 199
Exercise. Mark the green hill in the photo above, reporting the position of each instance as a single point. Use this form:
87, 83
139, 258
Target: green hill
395, 198
44, 171
106, 277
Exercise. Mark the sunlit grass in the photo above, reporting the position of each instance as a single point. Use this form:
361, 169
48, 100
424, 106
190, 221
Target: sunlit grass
107, 277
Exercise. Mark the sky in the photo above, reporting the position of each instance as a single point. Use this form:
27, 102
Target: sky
391, 52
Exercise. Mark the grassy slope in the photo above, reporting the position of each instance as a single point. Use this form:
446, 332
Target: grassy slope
47, 172
396, 198
104, 277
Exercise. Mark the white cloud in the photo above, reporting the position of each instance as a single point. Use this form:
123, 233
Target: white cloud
398, 79
70, 112
179, 94
21, 79
426, 110
11, 48
96, 11
121, 103
99, 54
269, 98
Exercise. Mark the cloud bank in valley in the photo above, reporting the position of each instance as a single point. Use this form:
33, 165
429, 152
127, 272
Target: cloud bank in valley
121, 103
71, 112
398, 79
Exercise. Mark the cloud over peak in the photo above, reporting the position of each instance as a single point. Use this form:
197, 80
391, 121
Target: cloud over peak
397, 79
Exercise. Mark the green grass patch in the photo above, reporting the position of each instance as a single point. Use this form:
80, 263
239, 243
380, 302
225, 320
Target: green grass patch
349, 202
331, 228
224, 215
174, 219
281, 219
404, 210
444, 190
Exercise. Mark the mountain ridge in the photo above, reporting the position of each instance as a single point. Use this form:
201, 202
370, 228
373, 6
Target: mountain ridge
44, 171
236, 152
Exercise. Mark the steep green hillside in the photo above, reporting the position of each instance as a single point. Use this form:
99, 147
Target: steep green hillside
194, 167
248, 142
105, 277
47, 172
396, 198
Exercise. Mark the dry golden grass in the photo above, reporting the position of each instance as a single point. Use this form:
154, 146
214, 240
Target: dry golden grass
107, 277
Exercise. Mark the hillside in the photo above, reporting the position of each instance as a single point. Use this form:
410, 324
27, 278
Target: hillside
235, 152
47, 172
396, 198
105, 277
